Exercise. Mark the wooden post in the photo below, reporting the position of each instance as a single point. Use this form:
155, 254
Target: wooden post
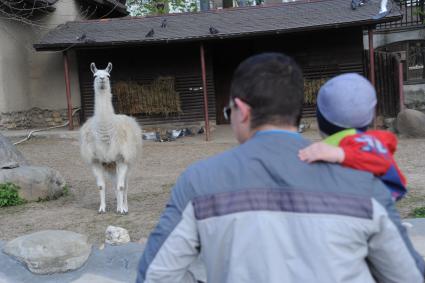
372, 66
400, 85
68, 90
204, 86
371, 58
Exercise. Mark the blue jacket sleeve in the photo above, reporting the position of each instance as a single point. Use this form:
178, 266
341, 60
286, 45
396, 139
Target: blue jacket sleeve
174, 243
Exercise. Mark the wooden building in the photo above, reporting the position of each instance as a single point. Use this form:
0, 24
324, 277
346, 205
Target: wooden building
324, 36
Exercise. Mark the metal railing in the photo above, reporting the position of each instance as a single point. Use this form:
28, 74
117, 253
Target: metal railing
413, 14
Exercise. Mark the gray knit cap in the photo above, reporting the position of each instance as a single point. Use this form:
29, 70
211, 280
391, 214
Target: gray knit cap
348, 101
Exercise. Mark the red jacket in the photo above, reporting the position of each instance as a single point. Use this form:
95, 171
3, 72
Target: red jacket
373, 151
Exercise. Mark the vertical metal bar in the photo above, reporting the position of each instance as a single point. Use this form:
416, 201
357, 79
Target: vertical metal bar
204, 85
371, 57
372, 66
68, 90
400, 85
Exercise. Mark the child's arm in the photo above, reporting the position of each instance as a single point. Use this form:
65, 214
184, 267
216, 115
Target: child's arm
320, 151
350, 153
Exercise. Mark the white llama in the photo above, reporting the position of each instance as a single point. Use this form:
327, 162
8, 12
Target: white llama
109, 141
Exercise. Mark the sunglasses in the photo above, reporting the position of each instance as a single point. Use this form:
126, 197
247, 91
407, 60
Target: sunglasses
227, 110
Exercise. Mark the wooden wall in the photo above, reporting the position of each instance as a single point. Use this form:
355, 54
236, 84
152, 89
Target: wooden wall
146, 63
321, 54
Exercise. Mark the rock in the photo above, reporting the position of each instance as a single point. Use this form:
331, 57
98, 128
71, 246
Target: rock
116, 236
411, 123
36, 182
10, 157
50, 251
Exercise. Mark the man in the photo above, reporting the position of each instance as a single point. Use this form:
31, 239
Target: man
257, 213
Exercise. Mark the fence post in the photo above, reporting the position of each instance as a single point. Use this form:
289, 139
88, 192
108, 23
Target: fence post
400, 84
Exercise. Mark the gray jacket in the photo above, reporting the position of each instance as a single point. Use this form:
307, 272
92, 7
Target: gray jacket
256, 213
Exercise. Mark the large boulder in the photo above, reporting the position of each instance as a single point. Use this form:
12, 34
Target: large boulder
36, 182
10, 157
411, 123
50, 251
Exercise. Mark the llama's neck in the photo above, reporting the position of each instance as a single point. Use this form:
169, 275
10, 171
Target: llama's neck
103, 109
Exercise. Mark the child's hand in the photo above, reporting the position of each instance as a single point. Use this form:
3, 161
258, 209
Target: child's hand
321, 151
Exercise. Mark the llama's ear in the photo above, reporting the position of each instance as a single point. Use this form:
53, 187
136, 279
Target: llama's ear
109, 68
93, 68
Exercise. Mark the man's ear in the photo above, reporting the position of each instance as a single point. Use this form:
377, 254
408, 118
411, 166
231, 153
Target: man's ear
244, 110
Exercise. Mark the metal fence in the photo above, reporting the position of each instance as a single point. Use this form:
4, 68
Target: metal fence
413, 14
388, 82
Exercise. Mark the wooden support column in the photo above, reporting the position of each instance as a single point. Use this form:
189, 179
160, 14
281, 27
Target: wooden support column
68, 90
372, 66
204, 86
400, 85
371, 58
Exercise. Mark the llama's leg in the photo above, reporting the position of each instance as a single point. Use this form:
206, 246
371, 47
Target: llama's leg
100, 181
122, 169
125, 195
114, 181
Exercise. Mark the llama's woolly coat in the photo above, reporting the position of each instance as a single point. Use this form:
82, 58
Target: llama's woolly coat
118, 140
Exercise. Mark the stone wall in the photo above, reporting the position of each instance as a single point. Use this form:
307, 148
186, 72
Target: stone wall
35, 118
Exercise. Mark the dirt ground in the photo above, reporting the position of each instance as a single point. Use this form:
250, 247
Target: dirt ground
150, 183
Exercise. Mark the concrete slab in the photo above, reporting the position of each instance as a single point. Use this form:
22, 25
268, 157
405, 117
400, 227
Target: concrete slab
113, 264
417, 234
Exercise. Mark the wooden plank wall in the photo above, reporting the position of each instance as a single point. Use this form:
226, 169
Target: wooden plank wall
321, 54
145, 64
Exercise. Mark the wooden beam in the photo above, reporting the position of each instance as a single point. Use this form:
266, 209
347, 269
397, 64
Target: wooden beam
204, 86
68, 89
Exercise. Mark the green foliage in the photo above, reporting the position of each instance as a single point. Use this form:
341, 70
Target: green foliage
65, 191
160, 7
419, 212
9, 195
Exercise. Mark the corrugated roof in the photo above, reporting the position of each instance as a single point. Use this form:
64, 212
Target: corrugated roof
227, 23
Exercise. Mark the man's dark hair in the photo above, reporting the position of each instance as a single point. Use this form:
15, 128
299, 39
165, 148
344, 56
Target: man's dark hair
272, 85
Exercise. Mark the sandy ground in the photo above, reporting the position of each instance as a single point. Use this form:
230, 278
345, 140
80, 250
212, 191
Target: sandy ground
150, 183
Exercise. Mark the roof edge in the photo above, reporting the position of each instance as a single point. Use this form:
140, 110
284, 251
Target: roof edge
207, 37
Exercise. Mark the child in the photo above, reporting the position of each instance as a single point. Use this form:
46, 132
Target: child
345, 107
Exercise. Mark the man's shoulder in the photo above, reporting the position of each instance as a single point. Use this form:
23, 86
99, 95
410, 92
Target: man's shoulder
351, 181
214, 162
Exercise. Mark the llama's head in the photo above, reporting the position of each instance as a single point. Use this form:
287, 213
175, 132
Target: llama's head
101, 77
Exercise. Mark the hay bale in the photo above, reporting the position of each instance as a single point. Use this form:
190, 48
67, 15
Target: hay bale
159, 97
311, 88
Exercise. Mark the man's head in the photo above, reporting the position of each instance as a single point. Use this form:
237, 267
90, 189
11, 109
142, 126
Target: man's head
267, 90
345, 101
